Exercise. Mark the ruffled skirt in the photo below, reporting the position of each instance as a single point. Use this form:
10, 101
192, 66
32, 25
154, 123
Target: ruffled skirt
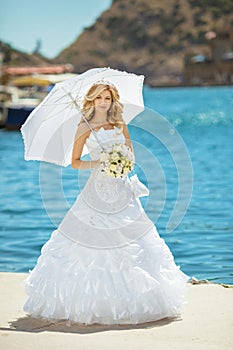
86, 274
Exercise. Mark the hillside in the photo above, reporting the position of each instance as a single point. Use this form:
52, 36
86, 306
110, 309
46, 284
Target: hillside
13, 57
148, 37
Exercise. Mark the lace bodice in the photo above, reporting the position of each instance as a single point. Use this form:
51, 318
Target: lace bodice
106, 137
104, 192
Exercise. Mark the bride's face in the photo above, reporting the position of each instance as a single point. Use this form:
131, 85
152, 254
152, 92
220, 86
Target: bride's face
103, 101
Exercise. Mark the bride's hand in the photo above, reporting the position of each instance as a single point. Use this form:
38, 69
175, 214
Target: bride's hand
96, 163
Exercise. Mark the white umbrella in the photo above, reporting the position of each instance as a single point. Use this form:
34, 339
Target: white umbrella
49, 130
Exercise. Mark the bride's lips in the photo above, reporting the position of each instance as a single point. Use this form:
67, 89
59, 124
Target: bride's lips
103, 107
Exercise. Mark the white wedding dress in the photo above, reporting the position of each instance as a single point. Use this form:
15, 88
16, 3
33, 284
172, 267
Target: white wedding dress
105, 263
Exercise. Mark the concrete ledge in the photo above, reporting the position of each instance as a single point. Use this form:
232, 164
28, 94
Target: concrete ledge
206, 324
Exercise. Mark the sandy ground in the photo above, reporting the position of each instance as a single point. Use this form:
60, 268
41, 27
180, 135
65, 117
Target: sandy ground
206, 323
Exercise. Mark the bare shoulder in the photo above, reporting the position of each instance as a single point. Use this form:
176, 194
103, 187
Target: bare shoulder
82, 130
125, 130
125, 127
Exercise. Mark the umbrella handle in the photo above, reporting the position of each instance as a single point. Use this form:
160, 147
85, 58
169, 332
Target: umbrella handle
76, 104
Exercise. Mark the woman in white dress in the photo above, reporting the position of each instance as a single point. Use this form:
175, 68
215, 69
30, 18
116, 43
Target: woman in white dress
105, 263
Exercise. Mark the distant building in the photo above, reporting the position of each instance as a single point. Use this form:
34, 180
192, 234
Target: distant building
51, 69
215, 67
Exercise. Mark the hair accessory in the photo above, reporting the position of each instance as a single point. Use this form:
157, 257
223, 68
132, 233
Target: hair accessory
104, 82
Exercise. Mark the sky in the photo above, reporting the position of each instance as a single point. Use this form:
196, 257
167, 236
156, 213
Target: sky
56, 23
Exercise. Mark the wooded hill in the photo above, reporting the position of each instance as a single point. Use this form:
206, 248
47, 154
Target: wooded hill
148, 37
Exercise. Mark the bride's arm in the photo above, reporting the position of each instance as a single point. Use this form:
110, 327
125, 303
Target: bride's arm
127, 137
80, 138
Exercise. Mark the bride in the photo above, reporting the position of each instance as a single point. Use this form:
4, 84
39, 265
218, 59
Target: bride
105, 263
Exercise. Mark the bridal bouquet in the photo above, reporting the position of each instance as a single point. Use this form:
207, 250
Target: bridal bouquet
117, 160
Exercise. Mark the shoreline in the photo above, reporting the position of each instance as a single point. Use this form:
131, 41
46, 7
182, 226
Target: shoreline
182, 85
193, 280
205, 323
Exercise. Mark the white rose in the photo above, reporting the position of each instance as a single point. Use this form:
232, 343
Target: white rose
115, 156
104, 157
113, 167
117, 148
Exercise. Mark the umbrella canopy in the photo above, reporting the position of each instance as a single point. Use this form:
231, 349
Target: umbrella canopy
49, 131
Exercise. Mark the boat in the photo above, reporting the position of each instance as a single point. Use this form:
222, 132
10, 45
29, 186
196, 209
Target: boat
16, 105
19, 99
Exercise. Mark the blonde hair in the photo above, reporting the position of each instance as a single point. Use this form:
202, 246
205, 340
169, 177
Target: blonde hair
114, 115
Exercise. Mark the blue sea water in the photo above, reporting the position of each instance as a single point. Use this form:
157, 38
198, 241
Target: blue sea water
184, 155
